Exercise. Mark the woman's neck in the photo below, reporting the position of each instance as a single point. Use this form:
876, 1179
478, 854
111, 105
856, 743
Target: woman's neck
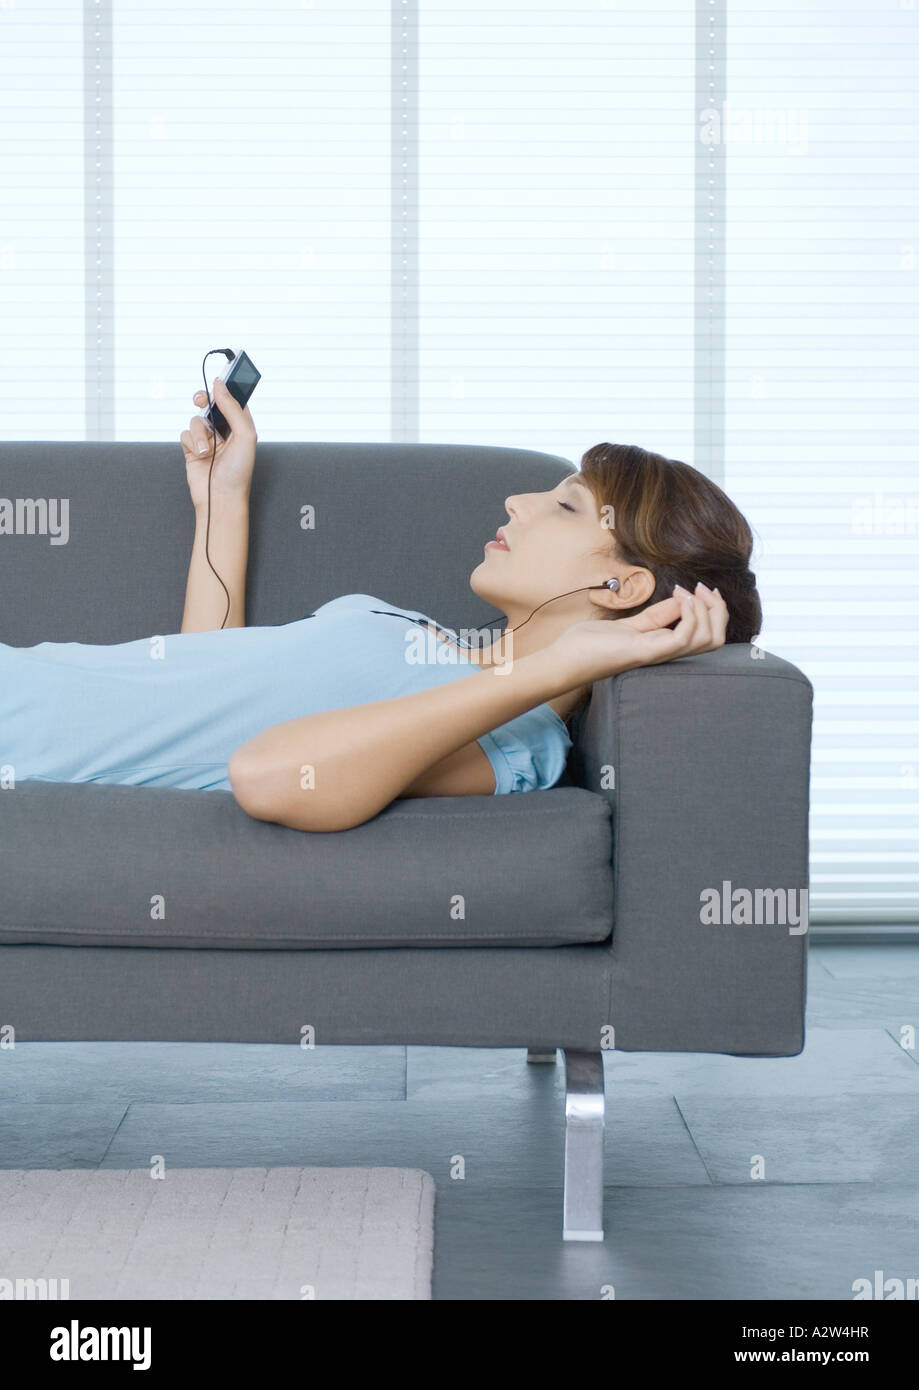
495, 653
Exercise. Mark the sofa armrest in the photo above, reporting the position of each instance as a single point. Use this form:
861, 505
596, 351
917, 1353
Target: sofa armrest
705, 762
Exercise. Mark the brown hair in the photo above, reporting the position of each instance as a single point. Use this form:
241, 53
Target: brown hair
671, 519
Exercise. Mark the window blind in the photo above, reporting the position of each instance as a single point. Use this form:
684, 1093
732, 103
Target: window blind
686, 224
821, 413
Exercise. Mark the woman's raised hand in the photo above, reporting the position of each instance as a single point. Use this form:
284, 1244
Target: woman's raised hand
601, 647
234, 458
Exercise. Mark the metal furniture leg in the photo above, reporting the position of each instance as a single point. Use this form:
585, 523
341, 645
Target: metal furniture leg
584, 1126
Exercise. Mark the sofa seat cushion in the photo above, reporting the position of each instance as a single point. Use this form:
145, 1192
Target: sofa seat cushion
90, 864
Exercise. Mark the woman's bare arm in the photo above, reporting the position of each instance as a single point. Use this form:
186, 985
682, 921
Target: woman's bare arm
338, 768
228, 546
228, 540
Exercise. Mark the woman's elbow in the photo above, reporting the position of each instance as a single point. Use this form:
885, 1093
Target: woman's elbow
257, 790
248, 784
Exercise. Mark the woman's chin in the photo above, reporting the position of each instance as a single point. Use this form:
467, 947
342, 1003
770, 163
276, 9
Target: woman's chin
490, 593
481, 583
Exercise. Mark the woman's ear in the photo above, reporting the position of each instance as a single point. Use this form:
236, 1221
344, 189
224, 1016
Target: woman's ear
635, 587
638, 586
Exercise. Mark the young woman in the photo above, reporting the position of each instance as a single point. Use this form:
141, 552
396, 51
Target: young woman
321, 723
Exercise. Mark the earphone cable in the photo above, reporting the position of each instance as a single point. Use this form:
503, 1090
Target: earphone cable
506, 632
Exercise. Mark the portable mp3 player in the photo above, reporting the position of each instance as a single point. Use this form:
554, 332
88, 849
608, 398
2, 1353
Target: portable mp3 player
241, 380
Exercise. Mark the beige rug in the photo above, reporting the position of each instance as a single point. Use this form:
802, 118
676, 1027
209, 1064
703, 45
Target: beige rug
217, 1233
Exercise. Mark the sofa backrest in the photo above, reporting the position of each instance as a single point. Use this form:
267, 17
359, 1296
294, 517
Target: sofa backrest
405, 522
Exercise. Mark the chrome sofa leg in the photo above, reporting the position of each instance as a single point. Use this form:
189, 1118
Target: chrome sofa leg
541, 1054
584, 1126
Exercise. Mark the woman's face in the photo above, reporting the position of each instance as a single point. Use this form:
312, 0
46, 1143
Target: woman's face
555, 541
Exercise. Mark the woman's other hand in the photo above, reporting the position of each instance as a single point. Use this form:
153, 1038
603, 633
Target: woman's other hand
603, 647
234, 458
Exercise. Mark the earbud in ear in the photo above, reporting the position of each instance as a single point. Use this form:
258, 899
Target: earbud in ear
612, 584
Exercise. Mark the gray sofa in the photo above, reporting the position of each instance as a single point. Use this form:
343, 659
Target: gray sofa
582, 926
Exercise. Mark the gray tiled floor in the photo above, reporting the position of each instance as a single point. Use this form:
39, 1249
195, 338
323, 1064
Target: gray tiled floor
835, 1129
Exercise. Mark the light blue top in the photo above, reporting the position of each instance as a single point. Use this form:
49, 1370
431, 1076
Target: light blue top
168, 711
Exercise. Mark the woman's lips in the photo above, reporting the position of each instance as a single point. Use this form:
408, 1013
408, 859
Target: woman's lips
496, 545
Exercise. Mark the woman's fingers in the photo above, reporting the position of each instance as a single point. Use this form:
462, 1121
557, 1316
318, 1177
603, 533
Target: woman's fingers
696, 628
238, 417
701, 622
197, 439
704, 616
688, 626
702, 641
201, 433
717, 615
658, 615
720, 616
711, 619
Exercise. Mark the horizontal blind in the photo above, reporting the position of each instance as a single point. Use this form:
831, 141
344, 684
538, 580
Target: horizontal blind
234, 168
241, 183
42, 269
556, 232
822, 363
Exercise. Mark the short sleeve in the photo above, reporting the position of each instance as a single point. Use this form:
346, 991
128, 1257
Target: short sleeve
528, 753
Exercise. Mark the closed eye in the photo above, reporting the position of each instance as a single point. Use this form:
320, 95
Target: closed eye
566, 506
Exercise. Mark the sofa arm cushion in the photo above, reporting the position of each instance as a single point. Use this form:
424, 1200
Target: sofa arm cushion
705, 762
